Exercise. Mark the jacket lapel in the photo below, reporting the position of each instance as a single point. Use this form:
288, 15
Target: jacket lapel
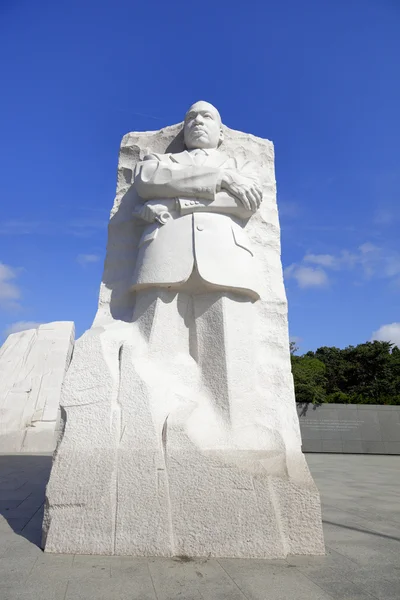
183, 158
217, 159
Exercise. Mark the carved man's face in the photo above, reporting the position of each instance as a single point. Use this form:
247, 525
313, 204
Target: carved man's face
202, 128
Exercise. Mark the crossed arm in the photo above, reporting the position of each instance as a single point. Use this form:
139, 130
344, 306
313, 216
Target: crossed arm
215, 189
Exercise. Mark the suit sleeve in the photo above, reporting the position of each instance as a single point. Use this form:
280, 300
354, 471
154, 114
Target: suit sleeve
223, 203
157, 178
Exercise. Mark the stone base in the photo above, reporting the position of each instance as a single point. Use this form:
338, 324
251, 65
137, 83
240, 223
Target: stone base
197, 506
174, 481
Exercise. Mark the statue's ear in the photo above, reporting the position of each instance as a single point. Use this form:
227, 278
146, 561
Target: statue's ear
221, 136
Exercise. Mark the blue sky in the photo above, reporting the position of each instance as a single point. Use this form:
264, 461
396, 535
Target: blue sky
318, 77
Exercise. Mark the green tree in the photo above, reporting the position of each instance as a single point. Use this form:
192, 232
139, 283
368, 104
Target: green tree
309, 379
337, 368
372, 372
368, 374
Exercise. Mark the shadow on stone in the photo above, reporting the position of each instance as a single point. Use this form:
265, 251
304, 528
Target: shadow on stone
23, 480
366, 531
124, 233
177, 144
304, 406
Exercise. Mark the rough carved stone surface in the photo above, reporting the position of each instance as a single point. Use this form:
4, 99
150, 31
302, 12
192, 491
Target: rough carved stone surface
32, 368
175, 447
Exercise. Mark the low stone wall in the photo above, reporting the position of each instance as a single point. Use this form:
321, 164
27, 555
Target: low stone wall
350, 428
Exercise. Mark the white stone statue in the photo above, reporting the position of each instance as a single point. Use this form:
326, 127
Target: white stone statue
197, 192
181, 435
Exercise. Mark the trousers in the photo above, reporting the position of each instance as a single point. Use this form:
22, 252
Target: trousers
198, 339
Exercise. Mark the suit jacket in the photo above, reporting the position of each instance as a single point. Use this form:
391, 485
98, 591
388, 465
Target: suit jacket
204, 225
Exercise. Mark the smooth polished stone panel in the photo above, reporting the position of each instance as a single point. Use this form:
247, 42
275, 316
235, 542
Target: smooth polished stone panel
355, 429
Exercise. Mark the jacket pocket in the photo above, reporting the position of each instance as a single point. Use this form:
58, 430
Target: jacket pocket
148, 236
241, 239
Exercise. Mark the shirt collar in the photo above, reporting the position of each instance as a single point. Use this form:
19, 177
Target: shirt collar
206, 151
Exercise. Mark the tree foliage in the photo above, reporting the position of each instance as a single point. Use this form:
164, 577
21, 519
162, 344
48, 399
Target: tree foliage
365, 374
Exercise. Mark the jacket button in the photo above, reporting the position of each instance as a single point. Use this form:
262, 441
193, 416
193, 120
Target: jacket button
199, 227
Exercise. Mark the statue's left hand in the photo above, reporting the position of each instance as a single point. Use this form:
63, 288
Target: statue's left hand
245, 189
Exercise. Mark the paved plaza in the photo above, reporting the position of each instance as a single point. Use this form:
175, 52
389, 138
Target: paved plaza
361, 513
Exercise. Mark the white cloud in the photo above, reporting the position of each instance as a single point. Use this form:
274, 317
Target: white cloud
388, 333
392, 267
348, 259
20, 326
86, 259
369, 260
307, 277
325, 260
9, 291
387, 215
378, 262
368, 248
343, 260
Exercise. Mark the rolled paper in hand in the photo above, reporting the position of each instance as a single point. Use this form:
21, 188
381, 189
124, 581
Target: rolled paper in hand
163, 217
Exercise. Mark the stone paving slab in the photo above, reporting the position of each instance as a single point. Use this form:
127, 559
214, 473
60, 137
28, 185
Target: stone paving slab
361, 513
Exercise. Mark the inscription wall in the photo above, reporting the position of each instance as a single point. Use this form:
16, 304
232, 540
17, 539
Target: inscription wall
350, 428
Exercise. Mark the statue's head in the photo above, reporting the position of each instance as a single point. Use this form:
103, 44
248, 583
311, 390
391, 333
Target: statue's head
202, 126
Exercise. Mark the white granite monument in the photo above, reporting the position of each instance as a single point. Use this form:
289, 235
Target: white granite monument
181, 436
